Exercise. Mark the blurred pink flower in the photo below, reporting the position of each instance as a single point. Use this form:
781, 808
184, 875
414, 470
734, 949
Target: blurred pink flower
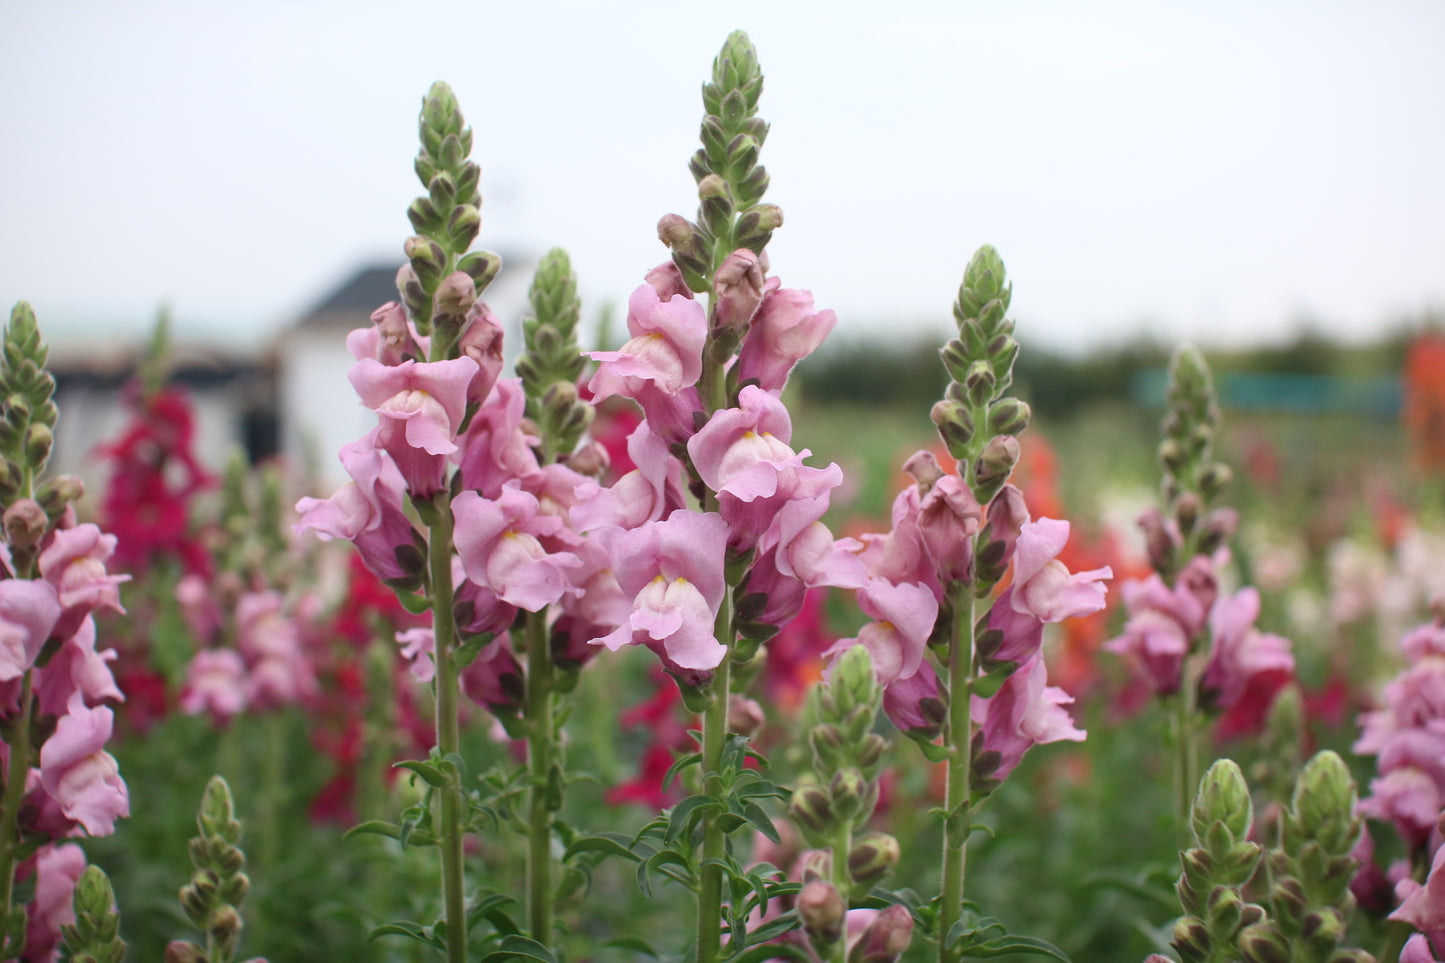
79, 774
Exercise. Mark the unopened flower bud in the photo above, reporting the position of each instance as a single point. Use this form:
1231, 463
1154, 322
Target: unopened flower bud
394, 341
955, 426
590, 460
873, 855
25, 524
848, 788
827, 743
979, 383
1322, 931
886, 938
413, 296
756, 226
738, 284
1324, 803
182, 951
675, 231
1008, 416
994, 464
815, 864
424, 217
1219, 526
455, 295
1187, 509
1214, 479
1223, 797
1191, 938
427, 258
745, 716
1171, 456
39, 440
812, 809
1226, 908
822, 911
925, 470
481, 267
463, 224
1263, 943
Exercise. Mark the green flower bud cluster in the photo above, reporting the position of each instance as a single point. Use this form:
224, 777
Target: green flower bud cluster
730, 181
253, 509
1193, 480
94, 937
837, 799
976, 419
446, 221
1308, 899
218, 887
27, 411
552, 362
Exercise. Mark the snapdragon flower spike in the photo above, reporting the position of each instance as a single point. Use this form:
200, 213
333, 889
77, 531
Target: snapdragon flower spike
673, 572
498, 542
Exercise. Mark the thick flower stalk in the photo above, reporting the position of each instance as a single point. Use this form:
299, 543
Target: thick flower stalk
1193, 644
977, 679
55, 686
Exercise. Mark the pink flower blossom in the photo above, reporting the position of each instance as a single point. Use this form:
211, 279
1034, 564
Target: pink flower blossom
494, 449
948, 519
1239, 651
57, 869
673, 571
421, 406
1043, 587
369, 512
741, 451
785, 330
79, 774
74, 562
77, 667
1423, 906
1023, 713
481, 341
418, 648
646, 494
391, 339
903, 617
28, 612
499, 548
215, 684
665, 351
494, 679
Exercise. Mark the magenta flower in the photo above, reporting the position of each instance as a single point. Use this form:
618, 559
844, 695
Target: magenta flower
741, 451
785, 330
1043, 587
421, 406
673, 571
499, 548
948, 518
1019, 634
1023, 713
494, 679
79, 774
1163, 621
915, 704
1417, 950
665, 352
28, 612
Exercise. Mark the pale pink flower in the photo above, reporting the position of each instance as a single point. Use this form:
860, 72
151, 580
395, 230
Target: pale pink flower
28, 612
421, 406
646, 494
665, 351
903, 617
57, 869
1043, 587
74, 562
391, 339
738, 283
1417, 950
741, 451
418, 647
77, 667
1423, 906
481, 341
494, 448
673, 571
198, 606
948, 518
899, 555
1238, 651
369, 512
785, 330
497, 540
79, 774
215, 683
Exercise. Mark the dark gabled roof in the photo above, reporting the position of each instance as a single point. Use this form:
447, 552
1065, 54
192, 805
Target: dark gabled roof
365, 291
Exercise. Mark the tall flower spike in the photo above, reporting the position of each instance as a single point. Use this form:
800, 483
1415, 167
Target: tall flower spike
27, 413
977, 421
213, 897
552, 362
730, 181
446, 222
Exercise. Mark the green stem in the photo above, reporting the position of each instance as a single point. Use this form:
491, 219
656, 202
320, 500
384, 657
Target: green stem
15, 774
448, 726
1395, 937
1186, 751
273, 787
843, 883
714, 840
540, 745
959, 742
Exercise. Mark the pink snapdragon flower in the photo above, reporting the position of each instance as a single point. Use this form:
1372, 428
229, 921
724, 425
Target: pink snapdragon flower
903, 616
57, 869
391, 339
279, 673
785, 330
1043, 586
421, 406
1023, 713
77, 667
1238, 651
418, 648
215, 684
665, 352
1162, 622
369, 511
948, 518
481, 341
673, 572
74, 562
647, 493
28, 612
497, 540
494, 448
1423, 905
741, 451
79, 774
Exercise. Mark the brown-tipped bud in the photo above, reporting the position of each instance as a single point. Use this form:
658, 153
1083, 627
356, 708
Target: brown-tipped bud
1214, 479
1219, 526
1191, 939
456, 295
1160, 543
427, 258
413, 295
236, 889
225, 928
870, 753
1263, 943
590, 460
745, 716
848, 789
39, 440
424, 217
815, 864
738, 284
812, 809
463, 224
1187, 509
756, 226
1322, 931
1171, 455
822, 910
394, 339
675, 231
994, 464
25, 524
955, 426
979, 382
872, 857
181, 951
1008, 416
481, 267
925, 470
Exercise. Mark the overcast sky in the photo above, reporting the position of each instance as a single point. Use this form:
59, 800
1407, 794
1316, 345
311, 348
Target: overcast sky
1217, 171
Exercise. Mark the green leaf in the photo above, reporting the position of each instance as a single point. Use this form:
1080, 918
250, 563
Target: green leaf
931, 750
631, 943
657, 861
774, 928
692, 759
754, 814
687, 812
429, 772
377, 827
986, 686
520, 947
607, 845
1023, 945
414, 602
490, 909
412, 931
